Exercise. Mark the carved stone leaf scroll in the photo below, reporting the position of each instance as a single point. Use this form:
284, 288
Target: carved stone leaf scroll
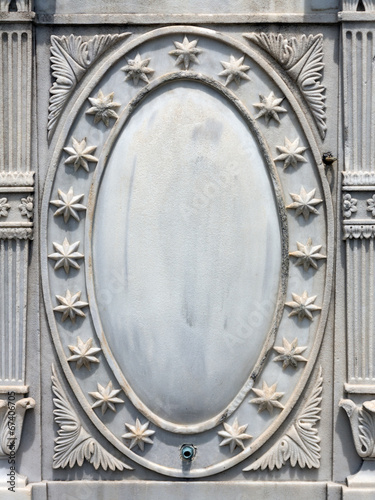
300, 444
70, 59
302, 59
74, 444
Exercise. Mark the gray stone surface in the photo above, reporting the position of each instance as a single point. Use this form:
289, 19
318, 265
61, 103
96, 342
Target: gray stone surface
192, 262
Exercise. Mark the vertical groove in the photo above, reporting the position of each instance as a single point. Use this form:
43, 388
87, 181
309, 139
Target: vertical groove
10, 103
356, 331
370, 97
2, 161
2, 308
362, 301
348, 110
28, 66
349, 296
17, 318
364, 110
24, 309
20, 138
354, 90
4, 85
371, 309
10, 305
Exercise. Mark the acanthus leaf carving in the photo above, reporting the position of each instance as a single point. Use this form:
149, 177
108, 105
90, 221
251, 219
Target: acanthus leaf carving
300, 444
70, 59
362, 421
12, 413
302, 60
74, 444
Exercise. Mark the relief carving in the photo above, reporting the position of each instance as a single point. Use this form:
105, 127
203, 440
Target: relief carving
269, 107
74, 444
302, 59
70, 59
234, 70
234, 435
362, 421
300, 444
186, 52
139, 434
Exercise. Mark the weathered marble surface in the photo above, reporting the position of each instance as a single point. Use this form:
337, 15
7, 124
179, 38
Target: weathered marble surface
196, 276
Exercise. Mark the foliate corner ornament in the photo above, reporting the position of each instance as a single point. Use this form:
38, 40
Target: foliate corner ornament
74, 444
302, 60
300, 444
70, 59
362, 422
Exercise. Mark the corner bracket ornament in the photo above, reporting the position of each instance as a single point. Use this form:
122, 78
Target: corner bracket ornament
300, 444
70, 59
302, 60
74, 444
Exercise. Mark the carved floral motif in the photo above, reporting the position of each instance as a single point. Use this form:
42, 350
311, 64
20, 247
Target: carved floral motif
307, 255
106, 397
26, 207
302, 60
74, 444
139, 434
371, 205
234, 70
304, 203
234, 435
302, 306
70, 59
291, 153
349, 205
300, 444
71, 306
290, 353
68, 205
4, 207
267, 398
83, 353
137, 69
80, 155
66, 255
269, 107
103, 108
186, 52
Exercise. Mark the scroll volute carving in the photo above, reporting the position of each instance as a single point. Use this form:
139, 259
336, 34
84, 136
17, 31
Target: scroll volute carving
362, 421
12, 417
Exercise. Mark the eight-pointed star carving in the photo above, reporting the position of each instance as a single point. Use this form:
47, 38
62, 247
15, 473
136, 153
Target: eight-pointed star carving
139, 434
234, 70
103, 108
84, 353
291, 153
303, 306
186, 52
304, 203
66, 255
269, 107
290, 353
267, 398
68, 205
307, 255
137, 69
234, 435
106, 397
80, 155
71, 306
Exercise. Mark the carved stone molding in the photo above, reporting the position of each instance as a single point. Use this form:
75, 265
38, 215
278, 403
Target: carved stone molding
74, 444
302, 60
300, 444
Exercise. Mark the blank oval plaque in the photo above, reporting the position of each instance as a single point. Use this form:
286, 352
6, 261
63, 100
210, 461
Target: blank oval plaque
186, 253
